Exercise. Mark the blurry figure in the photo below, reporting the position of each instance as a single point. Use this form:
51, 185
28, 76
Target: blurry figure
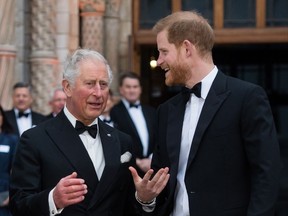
135, 119
57, 102
8, 142
22, 117
105, 116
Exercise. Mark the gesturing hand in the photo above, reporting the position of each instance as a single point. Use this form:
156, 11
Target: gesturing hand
69, 190
148, 189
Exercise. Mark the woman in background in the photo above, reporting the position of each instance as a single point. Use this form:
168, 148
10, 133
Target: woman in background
8, 143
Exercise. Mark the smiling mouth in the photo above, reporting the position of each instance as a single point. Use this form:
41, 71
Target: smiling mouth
166, 69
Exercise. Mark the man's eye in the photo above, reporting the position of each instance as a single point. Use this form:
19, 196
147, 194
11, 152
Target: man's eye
103, 85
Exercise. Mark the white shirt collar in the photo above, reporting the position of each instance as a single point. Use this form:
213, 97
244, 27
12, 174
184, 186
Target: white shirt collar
17, 111
127, 103
207, 82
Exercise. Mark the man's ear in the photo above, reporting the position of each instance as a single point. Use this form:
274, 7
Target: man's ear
66, 88
189, 47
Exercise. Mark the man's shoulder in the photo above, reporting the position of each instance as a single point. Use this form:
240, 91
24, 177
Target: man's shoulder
9, 112
37, 114
118, 107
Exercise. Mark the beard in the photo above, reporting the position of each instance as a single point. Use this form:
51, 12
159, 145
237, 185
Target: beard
178, 74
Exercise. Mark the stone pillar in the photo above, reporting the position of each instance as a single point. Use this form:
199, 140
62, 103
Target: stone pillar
43, 58
92, 12
111, 31
67, 31
7, 51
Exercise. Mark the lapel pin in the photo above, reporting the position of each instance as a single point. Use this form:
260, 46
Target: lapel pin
109, 135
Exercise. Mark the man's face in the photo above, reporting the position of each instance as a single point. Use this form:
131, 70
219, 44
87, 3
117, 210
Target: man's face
58, 101
172, 61
130, 89
87, 99
22, 98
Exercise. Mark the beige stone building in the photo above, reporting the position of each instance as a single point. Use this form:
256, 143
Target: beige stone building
37, 35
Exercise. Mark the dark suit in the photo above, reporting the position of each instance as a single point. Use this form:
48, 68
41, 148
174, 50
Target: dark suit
234, 165
49, 116
122, 120
12, 119
53, 150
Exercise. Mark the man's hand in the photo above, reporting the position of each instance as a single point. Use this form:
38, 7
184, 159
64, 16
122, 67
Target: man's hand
69, 190
148, 189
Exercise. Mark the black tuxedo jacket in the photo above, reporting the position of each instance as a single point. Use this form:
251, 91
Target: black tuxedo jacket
11, 117
122, 120
53, 150
234, 161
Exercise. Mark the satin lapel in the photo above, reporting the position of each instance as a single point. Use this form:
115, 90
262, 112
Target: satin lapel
69, 143
175, 117
112, 152
216, 96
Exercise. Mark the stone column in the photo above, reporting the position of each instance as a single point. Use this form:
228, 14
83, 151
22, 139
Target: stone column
43, 58
7, 51
92, 12
111, 31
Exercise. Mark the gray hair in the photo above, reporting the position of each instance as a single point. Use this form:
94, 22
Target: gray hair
71, 69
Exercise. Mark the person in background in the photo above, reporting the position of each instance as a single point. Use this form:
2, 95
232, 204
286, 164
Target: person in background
74, 164
105, 116
22, 117
217, 137
136, 119
57, 102
8, 142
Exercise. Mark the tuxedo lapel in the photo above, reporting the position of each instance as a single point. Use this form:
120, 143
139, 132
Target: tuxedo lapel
112, 152
176, 112
69, 143
216, 96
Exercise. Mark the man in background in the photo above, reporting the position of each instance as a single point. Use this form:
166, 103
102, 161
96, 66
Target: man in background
57, 102
136, 119
105, 116
22, 117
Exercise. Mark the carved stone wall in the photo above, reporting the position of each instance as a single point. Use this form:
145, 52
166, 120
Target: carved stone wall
92, 35
111, 30
43, 57
37, 35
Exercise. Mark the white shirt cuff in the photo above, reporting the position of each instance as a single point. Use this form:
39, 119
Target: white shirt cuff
52, 207
147, 207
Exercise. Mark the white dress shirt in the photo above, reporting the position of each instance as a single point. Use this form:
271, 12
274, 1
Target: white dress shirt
191, 117
137, 117
23, 123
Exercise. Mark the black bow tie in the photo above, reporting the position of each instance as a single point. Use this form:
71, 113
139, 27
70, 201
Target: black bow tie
195, 90
21, 114
92, 130
134, 105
